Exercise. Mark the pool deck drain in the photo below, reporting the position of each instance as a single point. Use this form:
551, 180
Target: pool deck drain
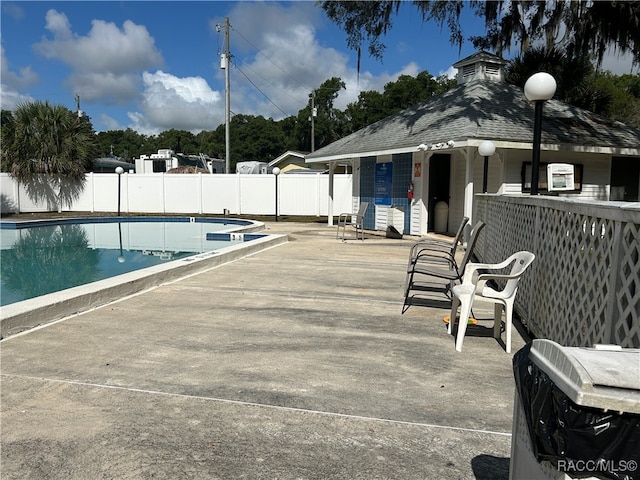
295, 362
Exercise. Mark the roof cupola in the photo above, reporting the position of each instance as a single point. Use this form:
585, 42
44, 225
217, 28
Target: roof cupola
481, 65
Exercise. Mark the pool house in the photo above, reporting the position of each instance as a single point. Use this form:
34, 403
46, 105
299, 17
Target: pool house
424, 161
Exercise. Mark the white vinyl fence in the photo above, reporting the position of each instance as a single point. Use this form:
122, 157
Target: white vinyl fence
298, 194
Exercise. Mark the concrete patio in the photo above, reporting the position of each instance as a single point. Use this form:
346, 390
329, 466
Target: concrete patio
293, 363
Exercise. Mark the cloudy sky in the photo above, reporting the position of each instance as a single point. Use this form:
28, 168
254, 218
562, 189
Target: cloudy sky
155, 65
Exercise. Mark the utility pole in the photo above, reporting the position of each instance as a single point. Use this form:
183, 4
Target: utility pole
314, 113
78, 111
224, 64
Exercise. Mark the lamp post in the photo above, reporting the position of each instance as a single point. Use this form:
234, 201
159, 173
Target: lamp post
486, 149
119, 171
276, 172
539, 88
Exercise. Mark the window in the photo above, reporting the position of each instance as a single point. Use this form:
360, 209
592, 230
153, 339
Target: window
542, 178
159, 166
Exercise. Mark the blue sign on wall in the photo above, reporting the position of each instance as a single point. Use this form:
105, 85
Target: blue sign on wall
384, 183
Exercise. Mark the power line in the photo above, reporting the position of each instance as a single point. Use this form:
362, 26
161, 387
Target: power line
271, 84
281, 68
257, 88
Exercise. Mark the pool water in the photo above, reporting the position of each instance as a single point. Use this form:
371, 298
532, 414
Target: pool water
38, 260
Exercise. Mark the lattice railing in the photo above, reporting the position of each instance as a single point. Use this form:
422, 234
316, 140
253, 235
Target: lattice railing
584, 287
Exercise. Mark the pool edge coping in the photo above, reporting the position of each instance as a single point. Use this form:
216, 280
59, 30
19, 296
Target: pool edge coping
27, 314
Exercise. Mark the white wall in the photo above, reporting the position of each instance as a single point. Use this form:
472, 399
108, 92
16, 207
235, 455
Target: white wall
597, 172
298, 194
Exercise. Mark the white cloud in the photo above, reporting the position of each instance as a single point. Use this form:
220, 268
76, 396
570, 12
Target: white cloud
291, 60
104, 61
450, 73
366, 82
12, 82
9, 98
181, 103
105, 87
109, 122
276, 46
13, 10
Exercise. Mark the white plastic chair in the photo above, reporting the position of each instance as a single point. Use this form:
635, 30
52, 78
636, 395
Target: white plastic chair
465, 293
354, 219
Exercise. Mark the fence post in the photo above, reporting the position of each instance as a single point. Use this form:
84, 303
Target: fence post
199, 193
614, 283
238, 193
532, 313
319, 192
92, 187
164, 192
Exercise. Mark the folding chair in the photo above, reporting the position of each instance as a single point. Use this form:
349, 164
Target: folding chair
441, 267
356, 220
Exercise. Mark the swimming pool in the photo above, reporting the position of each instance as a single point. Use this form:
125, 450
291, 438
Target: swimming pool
82, 263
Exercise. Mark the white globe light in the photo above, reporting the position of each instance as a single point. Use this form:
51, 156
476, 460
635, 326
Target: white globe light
276, 171
486, 148
540, 86
119, 170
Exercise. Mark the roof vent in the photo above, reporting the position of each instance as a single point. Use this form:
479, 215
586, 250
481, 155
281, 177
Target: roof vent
468, 71
481, 65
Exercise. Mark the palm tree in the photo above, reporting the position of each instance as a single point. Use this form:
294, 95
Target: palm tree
575, 76
51, 140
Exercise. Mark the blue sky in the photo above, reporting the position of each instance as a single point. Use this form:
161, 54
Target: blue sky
155, 65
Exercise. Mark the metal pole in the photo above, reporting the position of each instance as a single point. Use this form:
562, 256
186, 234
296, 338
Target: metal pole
227, 103
119, 172
276, 197
119, 177
537, 134
486, 172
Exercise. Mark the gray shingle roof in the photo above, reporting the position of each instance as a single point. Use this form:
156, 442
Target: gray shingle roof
482, 109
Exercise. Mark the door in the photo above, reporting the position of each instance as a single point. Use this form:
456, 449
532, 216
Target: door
625, 179
439, 180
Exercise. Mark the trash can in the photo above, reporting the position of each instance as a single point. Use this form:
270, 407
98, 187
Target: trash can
576, 412
440, 217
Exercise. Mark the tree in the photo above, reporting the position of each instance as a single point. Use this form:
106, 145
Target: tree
328, 123
580, 84
403, 93
211, 144
624, 94
51, 140
252, 138
127, 144
180, 141
579, 27
574, 76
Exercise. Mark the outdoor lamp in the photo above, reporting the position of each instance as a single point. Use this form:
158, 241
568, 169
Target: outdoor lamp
539, 87
276, 172
486, 149
119, 171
